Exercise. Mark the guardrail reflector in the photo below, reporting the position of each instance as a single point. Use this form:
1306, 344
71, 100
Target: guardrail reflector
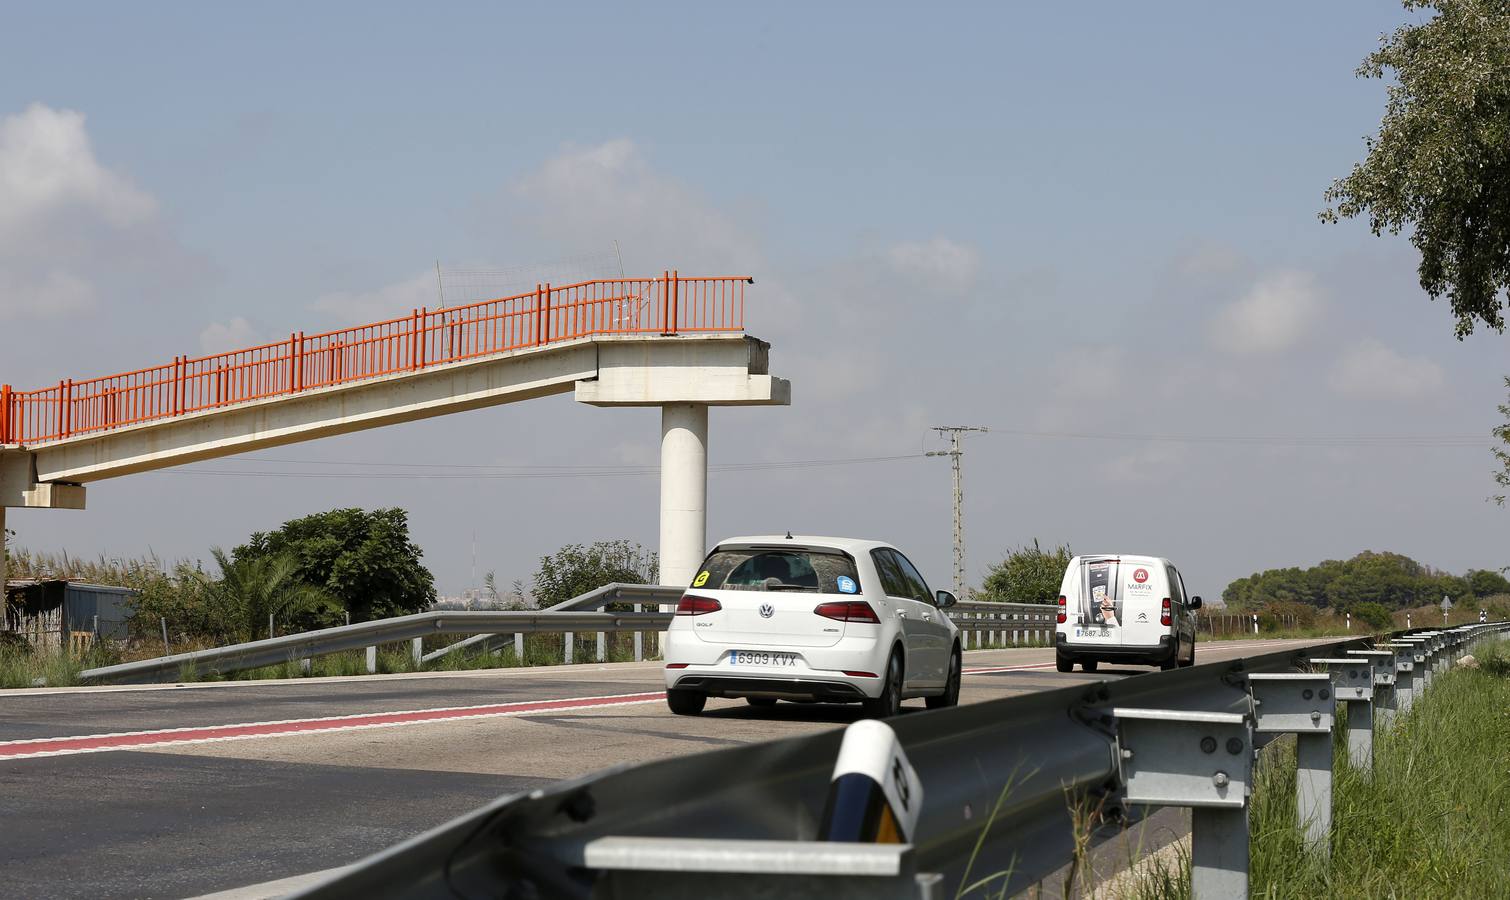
874, 796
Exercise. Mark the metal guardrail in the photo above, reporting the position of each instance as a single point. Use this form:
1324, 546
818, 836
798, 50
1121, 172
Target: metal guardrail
303, 646
1005, 623
1004, 783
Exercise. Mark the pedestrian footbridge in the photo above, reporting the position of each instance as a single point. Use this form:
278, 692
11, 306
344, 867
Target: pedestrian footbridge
670, 341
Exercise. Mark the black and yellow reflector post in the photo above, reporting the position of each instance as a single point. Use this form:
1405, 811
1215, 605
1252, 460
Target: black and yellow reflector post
875, 795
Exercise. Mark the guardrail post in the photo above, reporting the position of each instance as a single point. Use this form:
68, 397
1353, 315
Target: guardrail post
1303, 705
519, 646
639, 638
1353, 684
372, 660
1204, 761
417, 650
567, 640
305, 665
602, 647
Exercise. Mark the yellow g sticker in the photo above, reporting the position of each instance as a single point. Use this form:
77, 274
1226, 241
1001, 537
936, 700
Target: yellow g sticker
702, 579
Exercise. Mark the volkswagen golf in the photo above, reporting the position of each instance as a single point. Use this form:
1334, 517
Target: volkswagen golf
811, 619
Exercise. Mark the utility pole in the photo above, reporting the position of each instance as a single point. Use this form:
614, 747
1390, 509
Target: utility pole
955, 434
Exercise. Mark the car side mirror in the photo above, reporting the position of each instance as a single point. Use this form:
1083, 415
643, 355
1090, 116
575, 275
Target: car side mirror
1195, 602
944, 599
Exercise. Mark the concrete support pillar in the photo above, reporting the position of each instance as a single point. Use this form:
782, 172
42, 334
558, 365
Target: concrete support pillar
684, 491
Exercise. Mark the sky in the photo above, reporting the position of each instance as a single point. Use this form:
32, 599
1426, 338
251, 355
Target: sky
1091, 228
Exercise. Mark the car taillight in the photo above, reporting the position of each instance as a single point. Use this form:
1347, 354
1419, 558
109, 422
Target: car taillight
696, 606
1062, 617
677, 665
861, 674
1164, 613
848, 612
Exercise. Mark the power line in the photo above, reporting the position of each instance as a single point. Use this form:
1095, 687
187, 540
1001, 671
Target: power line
1270, 440
550, 471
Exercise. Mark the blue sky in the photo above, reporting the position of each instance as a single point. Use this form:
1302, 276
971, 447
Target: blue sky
1036, 217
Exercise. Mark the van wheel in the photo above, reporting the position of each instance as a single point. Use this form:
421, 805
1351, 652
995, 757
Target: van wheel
1190, 660
761, 702
890, 701
950, 696
1172, 661
686, 703
1090, 665
1064, 665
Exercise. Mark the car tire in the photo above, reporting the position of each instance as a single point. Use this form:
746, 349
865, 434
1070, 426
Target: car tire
761, 702
1172, 661
889, 703
686, 703
950, 696
1090, 665
1063, 664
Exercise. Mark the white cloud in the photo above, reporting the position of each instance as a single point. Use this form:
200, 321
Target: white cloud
592, 196
218, 337
1275, 315
1369, 369
389, 302
47, 165
939, 260
63, 216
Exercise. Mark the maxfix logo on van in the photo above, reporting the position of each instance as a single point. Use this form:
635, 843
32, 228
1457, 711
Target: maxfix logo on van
1140, 581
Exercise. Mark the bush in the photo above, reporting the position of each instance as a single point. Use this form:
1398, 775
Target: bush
1374, 615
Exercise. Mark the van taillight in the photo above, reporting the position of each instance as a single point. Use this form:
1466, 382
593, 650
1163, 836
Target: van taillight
696, 606
848, 612
1062, 617
1164, 613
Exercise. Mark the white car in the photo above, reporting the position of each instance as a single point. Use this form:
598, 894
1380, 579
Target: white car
811, 619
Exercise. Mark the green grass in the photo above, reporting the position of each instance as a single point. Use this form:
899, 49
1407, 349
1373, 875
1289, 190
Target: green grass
1432, 821
23, 668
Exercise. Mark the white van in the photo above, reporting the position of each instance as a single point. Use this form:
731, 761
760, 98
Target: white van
1122, 608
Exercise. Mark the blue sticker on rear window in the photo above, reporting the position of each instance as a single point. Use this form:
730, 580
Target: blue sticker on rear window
847, 585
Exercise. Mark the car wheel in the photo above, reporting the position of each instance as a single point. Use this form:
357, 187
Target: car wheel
950, 696
1063, 664
1172, 661
1090, 665
890, 701
761, 702
686, 703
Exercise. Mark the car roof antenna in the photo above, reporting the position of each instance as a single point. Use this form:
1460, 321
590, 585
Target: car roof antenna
789, 534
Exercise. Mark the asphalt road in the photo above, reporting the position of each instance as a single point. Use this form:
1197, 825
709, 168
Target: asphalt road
245, 782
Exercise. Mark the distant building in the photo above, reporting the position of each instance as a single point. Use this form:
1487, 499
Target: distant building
53, 613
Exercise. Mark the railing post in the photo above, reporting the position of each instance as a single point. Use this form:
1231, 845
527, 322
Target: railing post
178, 385
68, 407
293, 361
539, 305
414, 341
5, 434
546, 315
676, 302
298, 357
424, 318
665, 300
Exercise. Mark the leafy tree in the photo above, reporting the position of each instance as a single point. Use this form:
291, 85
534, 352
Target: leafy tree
363, 560
1440, 164
253, 588
1484, 583
575, 570
1373, 615
1028, 575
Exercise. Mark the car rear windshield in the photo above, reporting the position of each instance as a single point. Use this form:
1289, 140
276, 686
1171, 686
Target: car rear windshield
778, 569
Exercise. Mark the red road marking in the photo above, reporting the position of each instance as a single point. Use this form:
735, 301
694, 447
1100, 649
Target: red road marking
135, 740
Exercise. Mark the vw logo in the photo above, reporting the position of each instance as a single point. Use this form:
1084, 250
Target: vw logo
767, 610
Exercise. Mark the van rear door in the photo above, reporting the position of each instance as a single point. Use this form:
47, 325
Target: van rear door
1097, 618
1145, 586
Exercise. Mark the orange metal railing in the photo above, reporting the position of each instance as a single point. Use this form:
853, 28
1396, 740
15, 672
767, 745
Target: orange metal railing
667, 305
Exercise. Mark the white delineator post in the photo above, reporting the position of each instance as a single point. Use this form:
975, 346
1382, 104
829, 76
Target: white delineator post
684, 490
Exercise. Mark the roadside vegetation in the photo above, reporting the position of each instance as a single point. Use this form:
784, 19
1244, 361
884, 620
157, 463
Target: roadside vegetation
1429, 823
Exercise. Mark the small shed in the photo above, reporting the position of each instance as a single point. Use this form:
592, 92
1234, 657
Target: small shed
49, 613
